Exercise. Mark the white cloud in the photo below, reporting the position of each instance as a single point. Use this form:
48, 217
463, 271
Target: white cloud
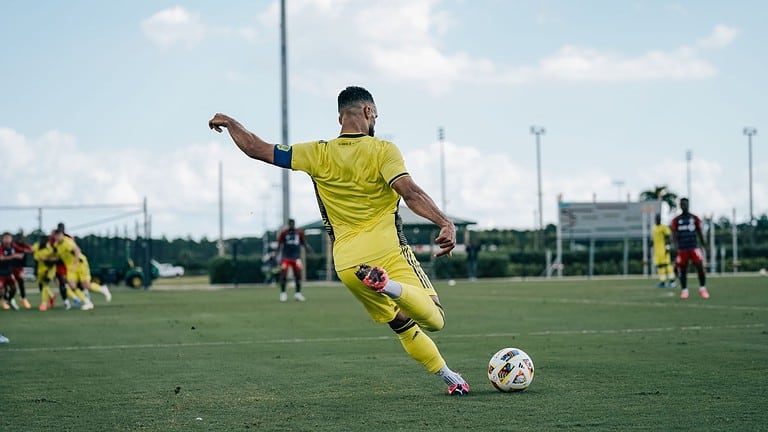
174, 26
572, 63
721, 36
403, 43
496, 191
182, 186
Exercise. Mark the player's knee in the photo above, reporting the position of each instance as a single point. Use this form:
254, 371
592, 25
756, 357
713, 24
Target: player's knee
401, 324
436, 322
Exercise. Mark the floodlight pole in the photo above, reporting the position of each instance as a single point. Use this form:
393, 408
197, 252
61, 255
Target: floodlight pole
539, 131
618, 184
284, 96
750, 132
688, 157
441, 138
146, 267
220, 243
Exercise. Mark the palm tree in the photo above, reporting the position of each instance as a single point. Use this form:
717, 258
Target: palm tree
660, 193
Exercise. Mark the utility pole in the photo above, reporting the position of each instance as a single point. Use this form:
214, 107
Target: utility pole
441, 138
688, 158
750, 132
618, 184
284, 96
539, 131
220, 243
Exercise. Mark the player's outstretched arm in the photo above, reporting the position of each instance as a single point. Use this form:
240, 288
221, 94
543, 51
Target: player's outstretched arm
248, 142
423, 205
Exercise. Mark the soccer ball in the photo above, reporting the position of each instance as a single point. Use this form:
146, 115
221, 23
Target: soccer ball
510, 369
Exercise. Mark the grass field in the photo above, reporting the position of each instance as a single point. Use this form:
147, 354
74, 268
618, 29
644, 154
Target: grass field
609, 355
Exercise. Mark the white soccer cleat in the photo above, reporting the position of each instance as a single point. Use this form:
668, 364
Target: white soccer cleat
87, 306
299, 297
107, 294
4, 340
283, 297
67, 304
14, 305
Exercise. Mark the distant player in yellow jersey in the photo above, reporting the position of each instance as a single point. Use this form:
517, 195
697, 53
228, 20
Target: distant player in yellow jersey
78, 270
359, 181
46, 259
660, 235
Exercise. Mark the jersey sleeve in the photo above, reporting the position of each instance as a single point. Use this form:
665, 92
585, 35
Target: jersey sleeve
298, 157
392, 165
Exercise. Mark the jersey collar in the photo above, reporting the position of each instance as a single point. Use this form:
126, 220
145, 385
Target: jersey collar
352, 135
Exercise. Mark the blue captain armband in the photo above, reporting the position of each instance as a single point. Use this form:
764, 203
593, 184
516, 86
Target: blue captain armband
282, 155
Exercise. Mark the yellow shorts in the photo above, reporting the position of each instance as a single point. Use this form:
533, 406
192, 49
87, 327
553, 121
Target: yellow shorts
81, 274
45, 273
402, 267
661, 258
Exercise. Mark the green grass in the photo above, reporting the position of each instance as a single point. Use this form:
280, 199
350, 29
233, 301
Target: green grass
183, 280
609, 355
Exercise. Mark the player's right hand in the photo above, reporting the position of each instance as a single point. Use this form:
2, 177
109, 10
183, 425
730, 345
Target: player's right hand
218, 121
446, 240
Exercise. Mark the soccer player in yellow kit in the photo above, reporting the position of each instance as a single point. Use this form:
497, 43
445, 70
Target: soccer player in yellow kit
46, 259
78, 270
660, 235
359, 181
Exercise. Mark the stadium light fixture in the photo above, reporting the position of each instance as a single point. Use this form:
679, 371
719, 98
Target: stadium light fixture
688, 158
750, 132
618, 184
539, 131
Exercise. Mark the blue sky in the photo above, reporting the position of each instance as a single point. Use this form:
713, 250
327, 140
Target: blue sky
107, 102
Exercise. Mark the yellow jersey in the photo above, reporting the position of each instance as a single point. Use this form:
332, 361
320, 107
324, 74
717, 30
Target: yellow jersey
352, 175
660, 235
42, 254
65, 249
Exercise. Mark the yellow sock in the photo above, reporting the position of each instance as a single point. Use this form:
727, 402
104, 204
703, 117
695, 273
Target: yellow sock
419, 306
45, 295
77, 292
95, 287
421, 347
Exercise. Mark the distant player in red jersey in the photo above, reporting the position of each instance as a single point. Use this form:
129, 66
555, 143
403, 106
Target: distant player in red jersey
289, 244
17, 267
8, 255
686, 232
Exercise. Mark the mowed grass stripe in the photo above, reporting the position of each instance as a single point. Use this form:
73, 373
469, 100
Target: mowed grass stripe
375, 338
691, 304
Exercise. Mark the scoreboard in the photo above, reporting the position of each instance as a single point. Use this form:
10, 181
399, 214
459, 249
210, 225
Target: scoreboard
606, 220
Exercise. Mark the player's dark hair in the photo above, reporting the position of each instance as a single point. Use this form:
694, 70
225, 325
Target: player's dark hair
6, 234
353, 95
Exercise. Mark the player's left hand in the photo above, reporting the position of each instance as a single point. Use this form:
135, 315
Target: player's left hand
446, 240
218, 121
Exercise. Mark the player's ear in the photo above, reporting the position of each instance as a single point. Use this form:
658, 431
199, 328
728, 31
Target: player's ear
339, 118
